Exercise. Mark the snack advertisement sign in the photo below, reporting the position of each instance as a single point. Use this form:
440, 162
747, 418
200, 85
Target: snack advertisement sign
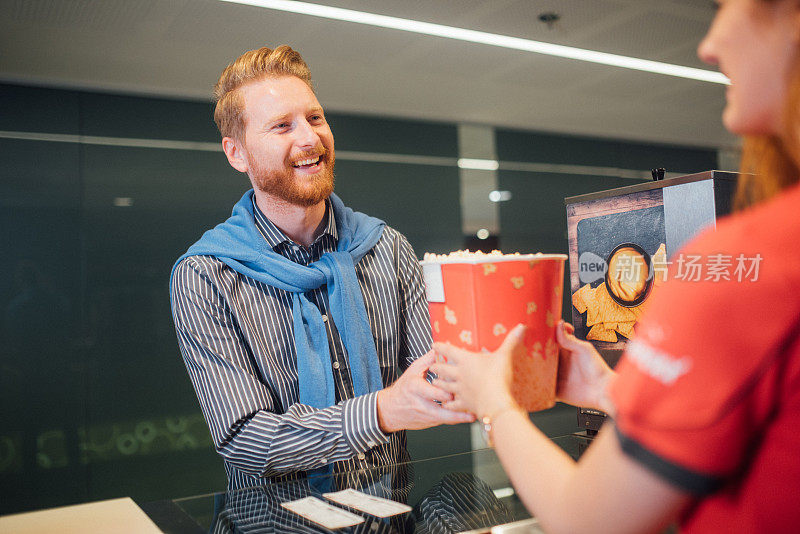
622, 242
620, 257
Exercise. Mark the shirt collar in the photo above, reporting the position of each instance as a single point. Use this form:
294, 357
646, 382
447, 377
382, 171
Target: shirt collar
277, 239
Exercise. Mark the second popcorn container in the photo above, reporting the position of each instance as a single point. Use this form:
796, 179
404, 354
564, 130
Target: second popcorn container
475, 299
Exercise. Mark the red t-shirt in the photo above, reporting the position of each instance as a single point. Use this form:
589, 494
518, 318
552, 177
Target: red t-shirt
708, 392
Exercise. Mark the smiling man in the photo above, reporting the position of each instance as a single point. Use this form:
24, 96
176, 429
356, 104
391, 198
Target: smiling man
302, 323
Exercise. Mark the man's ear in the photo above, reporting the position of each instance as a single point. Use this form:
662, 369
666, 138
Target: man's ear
235, 154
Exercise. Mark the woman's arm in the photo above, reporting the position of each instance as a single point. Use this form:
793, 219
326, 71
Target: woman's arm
605, 492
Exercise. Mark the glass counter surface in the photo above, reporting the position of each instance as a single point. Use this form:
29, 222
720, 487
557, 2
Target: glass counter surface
454, 493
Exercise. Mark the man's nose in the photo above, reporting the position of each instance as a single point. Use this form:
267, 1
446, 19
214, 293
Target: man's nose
306, 135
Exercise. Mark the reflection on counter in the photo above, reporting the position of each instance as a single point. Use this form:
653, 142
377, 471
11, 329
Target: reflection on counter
459, 493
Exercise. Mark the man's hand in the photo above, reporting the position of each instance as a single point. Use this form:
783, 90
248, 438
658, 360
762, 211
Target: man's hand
408, 404
583, 375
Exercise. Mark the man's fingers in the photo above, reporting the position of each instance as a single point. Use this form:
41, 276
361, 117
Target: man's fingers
454, 415
455, 405
420, 365
431, 392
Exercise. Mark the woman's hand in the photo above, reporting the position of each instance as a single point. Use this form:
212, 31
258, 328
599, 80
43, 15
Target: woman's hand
480, 382
583, 375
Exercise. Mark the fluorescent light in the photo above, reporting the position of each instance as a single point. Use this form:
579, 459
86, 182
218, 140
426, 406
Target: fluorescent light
122, 202
500, 196
492, 39
479, 164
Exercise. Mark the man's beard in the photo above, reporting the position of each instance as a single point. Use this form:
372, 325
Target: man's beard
305, 191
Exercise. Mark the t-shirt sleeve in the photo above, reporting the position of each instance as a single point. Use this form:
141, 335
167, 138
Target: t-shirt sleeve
690, 392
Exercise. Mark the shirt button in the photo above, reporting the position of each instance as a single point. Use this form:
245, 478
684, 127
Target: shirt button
324, 461
336, 365
371, 443
361, 456
324, 318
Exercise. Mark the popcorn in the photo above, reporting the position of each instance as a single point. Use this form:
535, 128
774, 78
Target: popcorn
467, 255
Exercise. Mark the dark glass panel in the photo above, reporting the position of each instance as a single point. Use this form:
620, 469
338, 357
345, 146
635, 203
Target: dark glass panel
421, 201
42, 389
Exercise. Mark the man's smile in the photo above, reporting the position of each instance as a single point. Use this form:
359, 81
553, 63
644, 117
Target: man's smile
306, 163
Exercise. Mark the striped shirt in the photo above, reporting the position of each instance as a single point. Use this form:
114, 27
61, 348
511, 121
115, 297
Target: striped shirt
236, 337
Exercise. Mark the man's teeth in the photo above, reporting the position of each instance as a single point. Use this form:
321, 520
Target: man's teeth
309, 161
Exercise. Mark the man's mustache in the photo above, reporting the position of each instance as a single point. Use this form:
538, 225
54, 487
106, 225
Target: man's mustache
320, 151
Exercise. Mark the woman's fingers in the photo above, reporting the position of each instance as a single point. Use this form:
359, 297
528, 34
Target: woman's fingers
451, 353
444, 371
449, 387
513, 339
565, 338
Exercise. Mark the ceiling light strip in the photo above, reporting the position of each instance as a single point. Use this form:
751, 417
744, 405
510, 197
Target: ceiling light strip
492, 39
478, 164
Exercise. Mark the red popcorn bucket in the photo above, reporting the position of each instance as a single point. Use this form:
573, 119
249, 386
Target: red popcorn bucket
476, 299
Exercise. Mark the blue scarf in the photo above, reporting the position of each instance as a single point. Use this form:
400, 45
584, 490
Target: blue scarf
238, 243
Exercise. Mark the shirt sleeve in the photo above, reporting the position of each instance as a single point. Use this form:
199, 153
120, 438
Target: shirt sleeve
415, 320
696, 386
242, 413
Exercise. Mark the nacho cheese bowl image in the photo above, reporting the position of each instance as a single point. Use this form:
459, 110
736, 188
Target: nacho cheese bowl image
628, 276
475, 299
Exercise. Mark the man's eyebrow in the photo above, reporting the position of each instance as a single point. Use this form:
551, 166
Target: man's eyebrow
277, 118
317, 109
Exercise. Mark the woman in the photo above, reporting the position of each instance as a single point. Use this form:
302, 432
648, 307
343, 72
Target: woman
705, 400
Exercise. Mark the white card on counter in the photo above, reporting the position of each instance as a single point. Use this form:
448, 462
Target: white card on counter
367, 503
434, 283
322, 513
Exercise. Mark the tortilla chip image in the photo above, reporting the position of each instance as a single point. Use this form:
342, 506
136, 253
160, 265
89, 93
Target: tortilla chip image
598, 333
579, 296
610, 311
626, 329
593, 316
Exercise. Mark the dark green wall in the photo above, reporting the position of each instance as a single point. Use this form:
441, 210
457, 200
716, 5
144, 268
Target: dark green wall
96, 401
